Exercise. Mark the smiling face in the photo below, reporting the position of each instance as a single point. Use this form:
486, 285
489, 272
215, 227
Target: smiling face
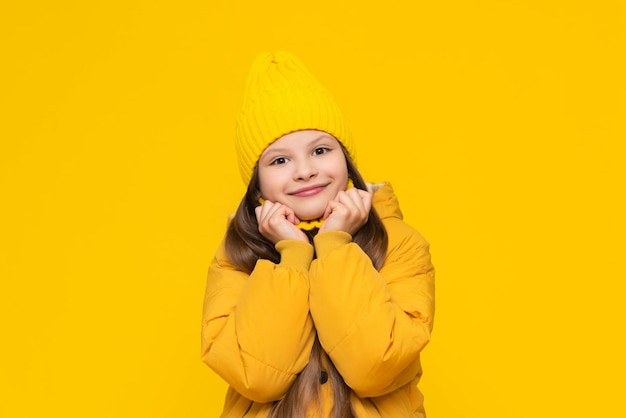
303, 170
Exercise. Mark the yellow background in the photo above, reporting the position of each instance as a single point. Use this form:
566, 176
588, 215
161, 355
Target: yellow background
500, 124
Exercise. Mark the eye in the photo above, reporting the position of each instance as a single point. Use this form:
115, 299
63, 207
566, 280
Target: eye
321, 150
278, 161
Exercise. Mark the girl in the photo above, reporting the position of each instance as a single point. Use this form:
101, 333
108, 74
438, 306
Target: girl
320, 298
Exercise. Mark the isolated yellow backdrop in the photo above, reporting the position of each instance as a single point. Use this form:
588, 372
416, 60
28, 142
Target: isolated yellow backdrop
500, 124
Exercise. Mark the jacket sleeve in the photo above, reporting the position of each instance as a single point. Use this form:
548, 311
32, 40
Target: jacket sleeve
257, 331
373, 324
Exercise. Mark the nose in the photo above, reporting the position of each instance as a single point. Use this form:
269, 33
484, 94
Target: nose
304, 170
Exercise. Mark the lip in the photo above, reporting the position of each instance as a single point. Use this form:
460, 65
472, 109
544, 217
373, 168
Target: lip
309, 190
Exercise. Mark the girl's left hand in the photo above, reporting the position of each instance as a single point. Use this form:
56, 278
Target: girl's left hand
348, 211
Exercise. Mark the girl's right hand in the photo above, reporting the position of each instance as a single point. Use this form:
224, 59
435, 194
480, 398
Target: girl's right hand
277, 222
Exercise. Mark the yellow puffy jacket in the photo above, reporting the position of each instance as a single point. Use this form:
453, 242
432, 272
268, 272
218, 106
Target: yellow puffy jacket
258, 329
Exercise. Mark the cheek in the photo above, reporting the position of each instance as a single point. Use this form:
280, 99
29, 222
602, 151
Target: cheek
268, 184
262, 183
341, 170
263, 188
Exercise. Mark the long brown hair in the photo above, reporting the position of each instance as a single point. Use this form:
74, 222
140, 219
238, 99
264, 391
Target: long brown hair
245, 245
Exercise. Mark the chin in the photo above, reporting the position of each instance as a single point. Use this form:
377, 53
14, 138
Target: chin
309, 216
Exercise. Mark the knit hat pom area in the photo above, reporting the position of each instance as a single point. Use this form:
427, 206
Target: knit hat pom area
282, 96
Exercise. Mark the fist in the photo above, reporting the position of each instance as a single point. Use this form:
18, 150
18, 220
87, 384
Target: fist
278, 222
348, 211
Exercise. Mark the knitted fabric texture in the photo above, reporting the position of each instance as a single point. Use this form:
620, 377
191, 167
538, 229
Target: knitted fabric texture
282, 96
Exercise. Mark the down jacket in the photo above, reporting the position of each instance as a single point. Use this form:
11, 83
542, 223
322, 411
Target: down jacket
258, 329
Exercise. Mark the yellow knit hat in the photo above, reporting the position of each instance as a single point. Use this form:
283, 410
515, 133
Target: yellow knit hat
282, 96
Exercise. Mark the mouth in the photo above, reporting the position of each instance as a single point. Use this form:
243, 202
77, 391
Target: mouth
309, 190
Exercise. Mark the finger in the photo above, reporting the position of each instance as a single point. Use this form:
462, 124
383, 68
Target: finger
276, 213
355, 195
266, 207
352, 201
362, 200
261, 211
289, 214
330, 208
366, 198
280, 212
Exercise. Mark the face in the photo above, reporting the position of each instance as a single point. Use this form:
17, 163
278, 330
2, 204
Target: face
303, 170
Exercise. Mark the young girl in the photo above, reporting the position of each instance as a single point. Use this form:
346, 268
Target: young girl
320, 298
